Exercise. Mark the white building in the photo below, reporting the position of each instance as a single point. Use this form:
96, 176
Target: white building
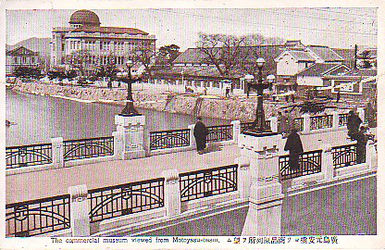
21, 57
86, 34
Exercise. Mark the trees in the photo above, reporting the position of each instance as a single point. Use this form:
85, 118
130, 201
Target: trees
107, 68
81, 61
144, 56
27, 72
167, 54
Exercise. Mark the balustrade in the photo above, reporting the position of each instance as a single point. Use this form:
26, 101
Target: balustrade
169, 139
28, 155
220, 133
344, 156
88, 148
321, 122
309, 163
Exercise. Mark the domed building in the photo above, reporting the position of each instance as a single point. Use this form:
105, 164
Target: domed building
96, 42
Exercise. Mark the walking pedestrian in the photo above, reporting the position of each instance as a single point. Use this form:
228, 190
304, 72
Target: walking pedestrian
362, 138
353, 124
227, 92
200, 133
295, 148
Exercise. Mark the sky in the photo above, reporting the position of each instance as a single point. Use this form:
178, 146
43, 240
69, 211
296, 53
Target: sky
335, 27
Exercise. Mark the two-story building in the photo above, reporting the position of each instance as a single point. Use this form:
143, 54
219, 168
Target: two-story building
21, 57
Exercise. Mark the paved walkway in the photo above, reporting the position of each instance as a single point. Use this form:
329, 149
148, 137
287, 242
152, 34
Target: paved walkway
48, 183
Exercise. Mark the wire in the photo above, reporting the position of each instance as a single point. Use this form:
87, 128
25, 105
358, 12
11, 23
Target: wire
264, 24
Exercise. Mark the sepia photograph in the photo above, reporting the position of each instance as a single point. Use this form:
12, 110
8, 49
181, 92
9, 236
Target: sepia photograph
149, 125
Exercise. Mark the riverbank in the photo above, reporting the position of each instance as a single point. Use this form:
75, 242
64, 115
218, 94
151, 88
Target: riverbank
236, 108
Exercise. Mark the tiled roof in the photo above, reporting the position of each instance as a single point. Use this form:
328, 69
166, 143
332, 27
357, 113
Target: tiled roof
317, 69
208, 71
301, 55
325, 53
346, 54
21, 51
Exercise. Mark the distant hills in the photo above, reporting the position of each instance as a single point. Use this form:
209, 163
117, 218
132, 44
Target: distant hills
36, 44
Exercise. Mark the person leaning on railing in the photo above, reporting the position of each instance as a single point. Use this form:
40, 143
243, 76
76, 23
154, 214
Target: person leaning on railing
295, 148
362, 138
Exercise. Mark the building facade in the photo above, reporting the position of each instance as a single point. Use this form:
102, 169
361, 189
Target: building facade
21, 57
98, 44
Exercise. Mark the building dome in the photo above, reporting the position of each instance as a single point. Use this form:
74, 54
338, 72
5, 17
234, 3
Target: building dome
85, 17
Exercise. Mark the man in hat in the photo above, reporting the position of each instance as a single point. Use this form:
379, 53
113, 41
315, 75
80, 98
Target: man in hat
200, 133
362, 139
295, 148
353, 124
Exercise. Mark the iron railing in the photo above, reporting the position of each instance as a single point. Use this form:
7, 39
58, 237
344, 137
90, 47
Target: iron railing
119, 200
28, 155
309, 163
220, 133
88, 148
169, 139
247, 125
36, 217
343, 119
321, 122
298, 123
208, 182
344, 156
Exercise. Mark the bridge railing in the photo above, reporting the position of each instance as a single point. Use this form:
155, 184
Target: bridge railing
309, 163
88, 148
344, 156
208, 182
28, 155
220, 133
36, 217
321, 122
343, 119
125, 199
169, 139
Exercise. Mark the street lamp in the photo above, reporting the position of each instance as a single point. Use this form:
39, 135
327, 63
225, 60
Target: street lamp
259, 122
126, 77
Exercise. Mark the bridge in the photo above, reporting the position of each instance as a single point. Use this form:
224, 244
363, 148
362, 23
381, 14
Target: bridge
151, 183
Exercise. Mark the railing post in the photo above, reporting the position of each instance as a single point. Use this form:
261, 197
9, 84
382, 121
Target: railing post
274, 124
57, 152
327, 167
118, 145
361, 114
306, 123
244, 180
236, 130
80, 222
336, 120
192, 138
371, 155
172, 200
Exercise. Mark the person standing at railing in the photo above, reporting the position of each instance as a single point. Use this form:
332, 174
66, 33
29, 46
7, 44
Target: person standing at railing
362, 138
295, 148
200, 133
353, 124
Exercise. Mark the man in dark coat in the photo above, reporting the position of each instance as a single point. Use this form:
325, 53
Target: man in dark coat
200, 133
353, 124
294, 146
362, 139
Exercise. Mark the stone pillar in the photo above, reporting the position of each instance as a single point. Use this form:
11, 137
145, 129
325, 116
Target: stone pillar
243, 177
193, 143
371, 155
80, 222
118, 145
336, 119
236, 129
264, 215
172, 201
327, 167
306, 123
361, 114
274, 124
57, 152
132, 128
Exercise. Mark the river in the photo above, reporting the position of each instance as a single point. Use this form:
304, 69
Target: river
38, 118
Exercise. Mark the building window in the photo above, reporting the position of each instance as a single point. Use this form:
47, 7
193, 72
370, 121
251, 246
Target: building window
15, 59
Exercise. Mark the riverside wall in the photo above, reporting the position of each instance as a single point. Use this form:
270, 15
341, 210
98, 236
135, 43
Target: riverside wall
231, 109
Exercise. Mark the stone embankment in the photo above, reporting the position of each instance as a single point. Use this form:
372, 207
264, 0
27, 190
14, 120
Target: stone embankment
231, 109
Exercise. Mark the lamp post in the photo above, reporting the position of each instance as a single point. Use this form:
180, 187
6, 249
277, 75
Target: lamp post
259, 122
126, 77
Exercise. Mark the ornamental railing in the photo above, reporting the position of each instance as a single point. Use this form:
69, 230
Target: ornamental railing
37, 217
28, 155
247, 125
309, 163
208, 182
169, 139
321, 122
88, 148
220, 133
343, 119
344, 156
120, 200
